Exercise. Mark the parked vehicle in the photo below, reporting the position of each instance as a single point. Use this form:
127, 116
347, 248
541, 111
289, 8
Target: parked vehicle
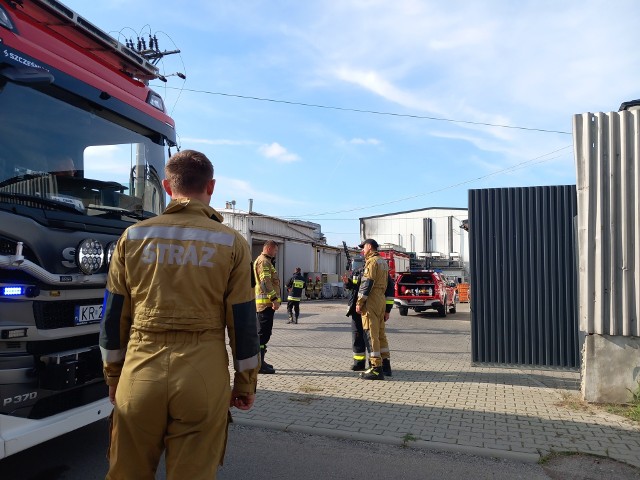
423, 290
398, 261
84, 142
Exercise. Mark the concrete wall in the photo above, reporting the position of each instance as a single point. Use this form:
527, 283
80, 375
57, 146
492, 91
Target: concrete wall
610, 368
607, 156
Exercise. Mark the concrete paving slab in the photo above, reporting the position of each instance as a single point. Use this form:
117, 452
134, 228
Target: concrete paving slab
436, 397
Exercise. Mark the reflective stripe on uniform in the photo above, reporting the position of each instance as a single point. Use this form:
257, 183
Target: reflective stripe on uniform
246, 364
180, 234
293, 299
110, 356
359, 356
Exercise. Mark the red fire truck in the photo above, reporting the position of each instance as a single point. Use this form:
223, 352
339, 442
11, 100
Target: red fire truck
398, 261
84, 142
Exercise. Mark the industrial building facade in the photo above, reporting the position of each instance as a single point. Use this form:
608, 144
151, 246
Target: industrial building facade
435, 238
300, 244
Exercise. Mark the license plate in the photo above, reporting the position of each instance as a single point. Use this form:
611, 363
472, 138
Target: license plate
416, 302
86, 314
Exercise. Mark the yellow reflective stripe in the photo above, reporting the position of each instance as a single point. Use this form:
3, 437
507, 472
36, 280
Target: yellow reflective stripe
389, 302
263, 300
298, 283
294, 299
359, 357
266, 295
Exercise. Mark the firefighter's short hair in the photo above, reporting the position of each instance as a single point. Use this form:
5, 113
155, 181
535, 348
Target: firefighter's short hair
188, 172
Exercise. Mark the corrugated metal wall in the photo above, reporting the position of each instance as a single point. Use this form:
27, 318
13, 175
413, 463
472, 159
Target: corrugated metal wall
523, 276
607, 151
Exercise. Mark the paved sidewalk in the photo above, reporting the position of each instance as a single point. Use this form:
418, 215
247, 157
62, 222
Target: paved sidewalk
435, 399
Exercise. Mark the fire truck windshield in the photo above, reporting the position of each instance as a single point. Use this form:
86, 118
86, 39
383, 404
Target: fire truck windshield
63, 149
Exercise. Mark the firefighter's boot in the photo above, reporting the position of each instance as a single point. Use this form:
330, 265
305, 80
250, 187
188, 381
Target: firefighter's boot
265, 367
358, 366
296, 322
291, 318
374, 373
386, 367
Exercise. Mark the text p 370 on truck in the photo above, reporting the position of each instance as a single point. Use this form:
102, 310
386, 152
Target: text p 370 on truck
84, 142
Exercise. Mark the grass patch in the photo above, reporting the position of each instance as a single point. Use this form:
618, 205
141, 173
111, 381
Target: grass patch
574, 402
408, 437
632, 412
628, 410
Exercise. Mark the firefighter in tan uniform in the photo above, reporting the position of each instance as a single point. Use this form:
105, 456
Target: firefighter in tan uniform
317, 289
372, 305
308, 288
177, 284
267, 297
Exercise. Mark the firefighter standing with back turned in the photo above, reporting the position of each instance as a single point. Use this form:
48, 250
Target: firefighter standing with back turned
371, 304
176, 283
295, 286
267, 297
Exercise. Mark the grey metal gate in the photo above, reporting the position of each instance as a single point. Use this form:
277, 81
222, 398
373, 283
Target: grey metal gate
523, 276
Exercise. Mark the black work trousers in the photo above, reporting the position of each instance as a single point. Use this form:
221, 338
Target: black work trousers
265, 321
293, 306
359, 342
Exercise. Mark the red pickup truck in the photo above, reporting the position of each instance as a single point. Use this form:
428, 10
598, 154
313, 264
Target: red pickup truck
423, 290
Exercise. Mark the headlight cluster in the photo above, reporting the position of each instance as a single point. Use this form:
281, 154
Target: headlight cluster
90, 255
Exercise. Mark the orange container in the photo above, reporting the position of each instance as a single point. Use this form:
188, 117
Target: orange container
464, 292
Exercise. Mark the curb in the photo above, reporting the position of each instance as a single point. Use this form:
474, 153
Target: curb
363, 437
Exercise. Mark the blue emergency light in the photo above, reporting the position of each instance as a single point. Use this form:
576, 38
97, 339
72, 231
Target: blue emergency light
12, 291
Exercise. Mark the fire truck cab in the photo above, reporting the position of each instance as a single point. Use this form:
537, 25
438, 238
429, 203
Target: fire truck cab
84, 142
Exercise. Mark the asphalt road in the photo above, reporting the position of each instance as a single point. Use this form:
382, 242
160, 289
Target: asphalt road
269, 454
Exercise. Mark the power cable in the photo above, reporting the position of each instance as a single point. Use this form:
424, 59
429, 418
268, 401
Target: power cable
504, 170
373, 112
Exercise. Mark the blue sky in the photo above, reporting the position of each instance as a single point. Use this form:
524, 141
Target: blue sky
446, 78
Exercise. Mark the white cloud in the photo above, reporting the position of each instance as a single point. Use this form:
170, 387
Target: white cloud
228, 188
365, 141
278, 153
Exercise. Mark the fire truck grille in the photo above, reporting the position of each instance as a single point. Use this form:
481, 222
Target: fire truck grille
52, 315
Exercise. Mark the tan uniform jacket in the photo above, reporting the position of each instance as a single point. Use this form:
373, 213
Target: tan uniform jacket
374, 282
267, 282
184, 271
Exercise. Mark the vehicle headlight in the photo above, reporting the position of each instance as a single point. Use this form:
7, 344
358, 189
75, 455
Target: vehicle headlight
89, 256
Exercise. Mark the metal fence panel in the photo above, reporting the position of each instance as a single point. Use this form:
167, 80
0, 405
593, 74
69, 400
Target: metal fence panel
523, 276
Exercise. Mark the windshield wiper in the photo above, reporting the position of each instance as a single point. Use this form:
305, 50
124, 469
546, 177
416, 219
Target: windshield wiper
41, 201
136, 214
